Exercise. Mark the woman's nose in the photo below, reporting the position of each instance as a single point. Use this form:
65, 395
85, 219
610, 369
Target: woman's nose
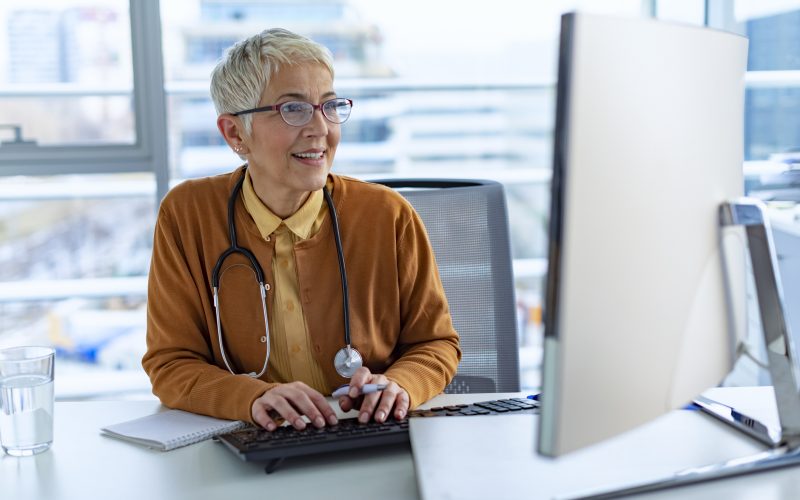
318, 125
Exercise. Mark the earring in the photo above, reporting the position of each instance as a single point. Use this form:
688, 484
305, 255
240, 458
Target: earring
238, 148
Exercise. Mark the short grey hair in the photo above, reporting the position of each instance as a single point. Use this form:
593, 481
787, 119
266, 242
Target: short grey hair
240, 77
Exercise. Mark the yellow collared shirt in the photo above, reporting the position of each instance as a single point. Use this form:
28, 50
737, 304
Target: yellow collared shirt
290, 356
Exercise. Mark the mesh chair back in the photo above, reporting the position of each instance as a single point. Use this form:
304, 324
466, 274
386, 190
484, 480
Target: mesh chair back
467, 224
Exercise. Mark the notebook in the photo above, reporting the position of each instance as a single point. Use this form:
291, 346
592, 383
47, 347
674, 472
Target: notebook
171, 429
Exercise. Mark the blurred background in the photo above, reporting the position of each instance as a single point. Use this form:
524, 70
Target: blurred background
104, 105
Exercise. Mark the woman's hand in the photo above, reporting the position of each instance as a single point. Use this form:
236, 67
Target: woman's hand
378, 403
290, 402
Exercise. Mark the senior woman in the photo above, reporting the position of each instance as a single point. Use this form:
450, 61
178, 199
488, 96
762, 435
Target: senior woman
222, 344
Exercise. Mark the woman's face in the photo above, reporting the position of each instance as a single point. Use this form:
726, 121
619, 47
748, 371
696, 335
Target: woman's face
287, 162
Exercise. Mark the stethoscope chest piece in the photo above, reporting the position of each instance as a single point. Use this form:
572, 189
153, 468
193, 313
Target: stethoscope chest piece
347, 361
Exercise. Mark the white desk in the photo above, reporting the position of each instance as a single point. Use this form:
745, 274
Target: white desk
82, 464
506, 467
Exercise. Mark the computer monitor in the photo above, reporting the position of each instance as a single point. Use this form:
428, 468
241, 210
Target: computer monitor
648, 143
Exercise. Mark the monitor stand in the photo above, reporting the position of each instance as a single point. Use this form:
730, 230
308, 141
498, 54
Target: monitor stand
784, 442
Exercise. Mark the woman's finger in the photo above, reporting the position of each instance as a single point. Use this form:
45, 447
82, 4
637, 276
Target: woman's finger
401, 404
387, 401
368, 407
360, 377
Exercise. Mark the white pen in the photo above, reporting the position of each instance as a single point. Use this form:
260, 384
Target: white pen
365, 389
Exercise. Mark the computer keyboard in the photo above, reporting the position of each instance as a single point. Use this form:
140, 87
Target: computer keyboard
494, 407
256, 444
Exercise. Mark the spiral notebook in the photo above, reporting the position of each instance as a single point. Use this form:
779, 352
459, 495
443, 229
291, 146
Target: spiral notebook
171, 429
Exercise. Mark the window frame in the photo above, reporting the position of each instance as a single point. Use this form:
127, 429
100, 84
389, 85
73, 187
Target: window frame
149, 151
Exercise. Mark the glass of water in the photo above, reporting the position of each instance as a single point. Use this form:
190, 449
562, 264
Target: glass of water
26, 400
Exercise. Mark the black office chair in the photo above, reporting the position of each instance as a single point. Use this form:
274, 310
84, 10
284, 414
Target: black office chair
467, 224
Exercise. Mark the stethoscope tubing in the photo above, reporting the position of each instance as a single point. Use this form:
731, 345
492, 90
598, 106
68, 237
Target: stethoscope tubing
235, 248
352, 358
342, 271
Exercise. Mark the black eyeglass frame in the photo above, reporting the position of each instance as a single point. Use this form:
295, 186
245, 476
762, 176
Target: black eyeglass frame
320, 106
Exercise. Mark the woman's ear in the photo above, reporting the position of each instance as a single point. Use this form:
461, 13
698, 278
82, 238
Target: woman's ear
232, 131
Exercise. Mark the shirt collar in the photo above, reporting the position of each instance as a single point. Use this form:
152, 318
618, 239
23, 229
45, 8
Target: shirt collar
300, 222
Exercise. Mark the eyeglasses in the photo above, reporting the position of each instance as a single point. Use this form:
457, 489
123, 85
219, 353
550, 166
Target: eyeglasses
298, 113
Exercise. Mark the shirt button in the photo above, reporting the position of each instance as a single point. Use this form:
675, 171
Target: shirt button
295, 348
285, 263
263, 339
268, 238
289, 305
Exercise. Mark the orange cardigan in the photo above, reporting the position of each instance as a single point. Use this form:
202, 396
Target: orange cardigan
399, 317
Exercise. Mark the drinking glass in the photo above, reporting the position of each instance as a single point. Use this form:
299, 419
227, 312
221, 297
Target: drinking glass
26, 399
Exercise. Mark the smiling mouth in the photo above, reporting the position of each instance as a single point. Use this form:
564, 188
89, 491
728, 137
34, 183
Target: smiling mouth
309, 156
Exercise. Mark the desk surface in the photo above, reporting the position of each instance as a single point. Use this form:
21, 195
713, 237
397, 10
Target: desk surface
504, 465
84, 464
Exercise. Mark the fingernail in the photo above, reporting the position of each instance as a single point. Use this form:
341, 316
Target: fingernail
270, 427
342, 400
353, 393
363, 418
380, 416
299, 424
333, 420
319, 422
401, 415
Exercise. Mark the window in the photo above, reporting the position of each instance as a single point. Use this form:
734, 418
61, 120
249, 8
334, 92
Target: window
93, 126
55, 60
80, 142
74, 91
773, 126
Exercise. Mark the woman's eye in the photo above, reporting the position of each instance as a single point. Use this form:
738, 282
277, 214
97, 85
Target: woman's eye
294, 107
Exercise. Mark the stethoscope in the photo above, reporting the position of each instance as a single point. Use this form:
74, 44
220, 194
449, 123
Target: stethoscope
347, 359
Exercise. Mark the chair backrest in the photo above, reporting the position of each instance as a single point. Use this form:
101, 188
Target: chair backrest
467, 224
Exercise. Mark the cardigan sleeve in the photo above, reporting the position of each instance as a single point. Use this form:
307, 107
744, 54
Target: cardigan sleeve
428, 343
179, 357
